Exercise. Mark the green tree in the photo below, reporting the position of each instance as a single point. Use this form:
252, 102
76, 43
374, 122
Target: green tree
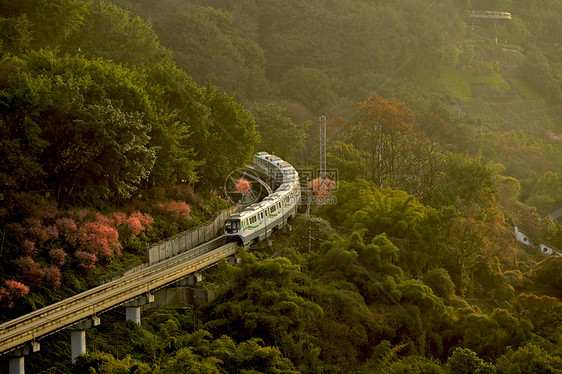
466, 181
310, 86
441, 284
93, 120
180, 122
126, 39
345, 157
530, 359
545, 314
279, 134
184, 361
271, 307
210, 47
105, 363
117, 158
21, 143
15, 35
465, 361
381, 131
231, 128
546, 192
40, 24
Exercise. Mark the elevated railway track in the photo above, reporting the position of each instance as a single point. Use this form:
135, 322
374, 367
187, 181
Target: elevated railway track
88, 304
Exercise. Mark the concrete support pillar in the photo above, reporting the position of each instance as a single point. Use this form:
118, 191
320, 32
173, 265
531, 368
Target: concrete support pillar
17, 365
233, 260
287, 228
190, 280
133, 313
17, 358
133, 308
77, 343
78, 336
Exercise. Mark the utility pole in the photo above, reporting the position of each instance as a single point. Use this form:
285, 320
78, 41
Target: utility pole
379, 153
322, 167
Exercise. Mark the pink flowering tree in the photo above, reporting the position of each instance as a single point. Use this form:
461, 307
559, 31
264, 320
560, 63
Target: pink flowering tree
57, 256
177, 209
86, 260
99, 238
67, 227
53, 276
322, 186
30, 270
243, 186
28, 248
138, 222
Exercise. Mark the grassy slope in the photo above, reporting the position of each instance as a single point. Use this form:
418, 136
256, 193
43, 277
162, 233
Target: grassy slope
499, 101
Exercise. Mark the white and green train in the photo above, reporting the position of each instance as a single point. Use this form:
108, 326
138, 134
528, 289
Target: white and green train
257, 221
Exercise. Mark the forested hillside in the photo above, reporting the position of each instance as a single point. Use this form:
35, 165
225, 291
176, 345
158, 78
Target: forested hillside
119, 121
104, 142
321, 57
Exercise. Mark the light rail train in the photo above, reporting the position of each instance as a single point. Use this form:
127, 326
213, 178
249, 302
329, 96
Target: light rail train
257, 221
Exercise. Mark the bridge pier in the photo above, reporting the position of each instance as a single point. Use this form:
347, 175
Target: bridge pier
78, 336
17, 357
233, 260
133, 308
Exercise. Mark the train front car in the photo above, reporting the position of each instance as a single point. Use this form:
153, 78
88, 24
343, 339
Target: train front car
258, 221
232, 225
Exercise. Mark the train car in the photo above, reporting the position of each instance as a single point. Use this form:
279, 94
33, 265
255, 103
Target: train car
257, 221
490, 14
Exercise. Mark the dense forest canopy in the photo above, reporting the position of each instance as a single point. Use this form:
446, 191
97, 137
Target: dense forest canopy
120, 119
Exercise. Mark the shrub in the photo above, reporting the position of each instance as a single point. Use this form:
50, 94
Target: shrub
36, 230
101, 239
16, 288
30, 270
118, 218
58, 256
138, 222
80, 215
67, 227
178, 209
466, 361
29, 248
440, 282
86, 260
53, 276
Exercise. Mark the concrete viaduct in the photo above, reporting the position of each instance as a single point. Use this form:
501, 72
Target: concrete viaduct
20, 337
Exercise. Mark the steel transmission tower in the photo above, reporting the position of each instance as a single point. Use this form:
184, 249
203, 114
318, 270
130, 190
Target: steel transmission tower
322, 167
